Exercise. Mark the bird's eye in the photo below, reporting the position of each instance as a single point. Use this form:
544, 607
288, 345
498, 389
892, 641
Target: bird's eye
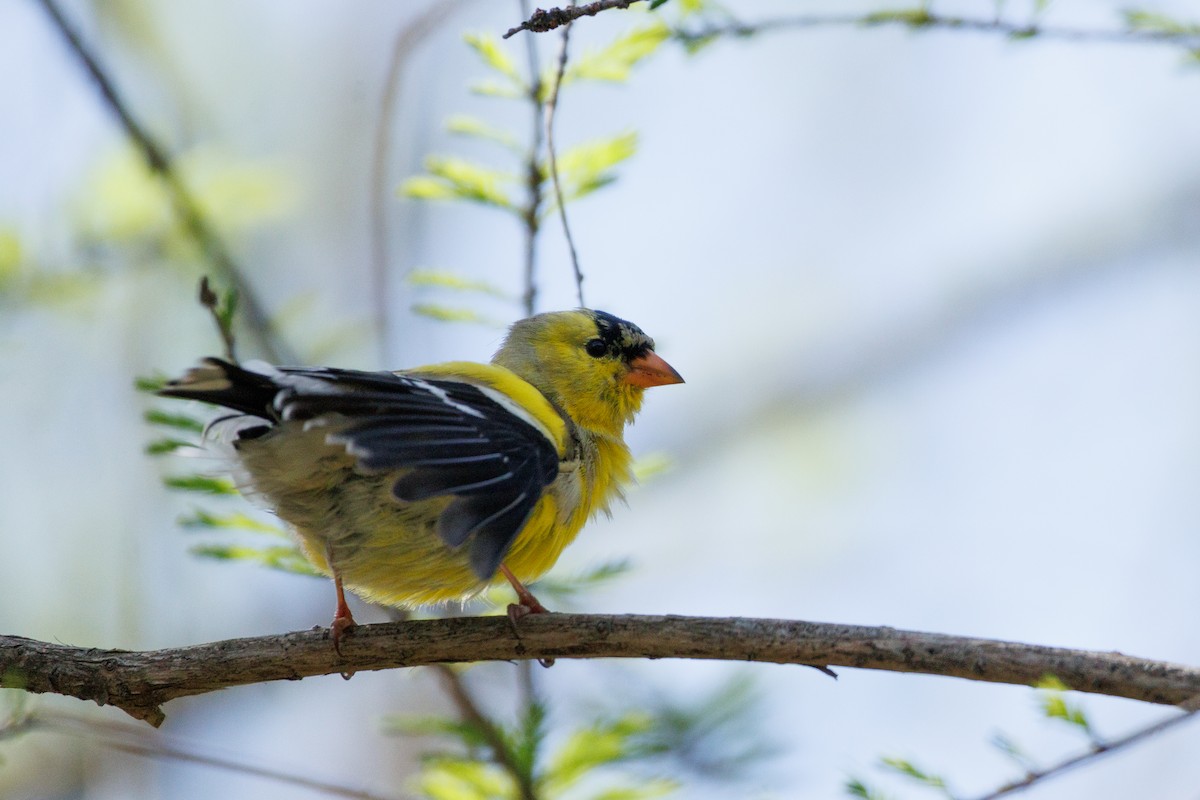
596, 348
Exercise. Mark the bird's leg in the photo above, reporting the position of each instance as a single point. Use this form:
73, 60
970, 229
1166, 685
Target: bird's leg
342, 618
528, 605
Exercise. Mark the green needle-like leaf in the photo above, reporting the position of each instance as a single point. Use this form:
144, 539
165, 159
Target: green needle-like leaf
179, 421
614, 62
200, 483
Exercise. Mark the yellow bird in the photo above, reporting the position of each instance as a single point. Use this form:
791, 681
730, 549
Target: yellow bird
417, 487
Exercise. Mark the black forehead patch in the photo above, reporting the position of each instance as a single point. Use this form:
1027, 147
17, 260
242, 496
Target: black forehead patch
621, 336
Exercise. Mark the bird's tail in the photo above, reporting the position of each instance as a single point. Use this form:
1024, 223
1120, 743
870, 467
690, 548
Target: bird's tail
225, 384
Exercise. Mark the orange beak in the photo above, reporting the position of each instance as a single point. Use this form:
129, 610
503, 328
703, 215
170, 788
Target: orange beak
650, 370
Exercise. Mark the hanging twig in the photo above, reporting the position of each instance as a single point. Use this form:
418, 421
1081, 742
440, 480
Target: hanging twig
552, 157
531, 214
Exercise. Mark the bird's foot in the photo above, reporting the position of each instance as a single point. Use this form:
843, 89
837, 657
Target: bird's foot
528, 605
341, 623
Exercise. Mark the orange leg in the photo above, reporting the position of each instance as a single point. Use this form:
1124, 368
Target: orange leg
528, 605
343, 620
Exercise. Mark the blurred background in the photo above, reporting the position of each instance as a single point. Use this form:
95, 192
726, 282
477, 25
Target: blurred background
935, 293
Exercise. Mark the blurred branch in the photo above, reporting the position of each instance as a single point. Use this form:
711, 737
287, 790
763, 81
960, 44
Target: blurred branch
140, 682
186, 208
434, 16
1096, 752
552, 157
923, 19
471, 713
541, 21
130, 739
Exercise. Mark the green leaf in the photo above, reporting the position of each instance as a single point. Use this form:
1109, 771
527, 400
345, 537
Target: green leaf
465, 125
651, 466
424, 187
912, 17
10, 256
587, 167
614, 62
200, 519
285, 558
150, 383
458, 179
460, 779
600, 744
448, 314
565, 588
490, 49
467, 733
910, 770
178, 421
856, 788
200, 483
449, 280
1152, 22
500, 89
1050, 682
646, 790
161, 447
1055, 706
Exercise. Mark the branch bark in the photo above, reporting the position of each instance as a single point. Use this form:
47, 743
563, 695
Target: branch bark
140, 682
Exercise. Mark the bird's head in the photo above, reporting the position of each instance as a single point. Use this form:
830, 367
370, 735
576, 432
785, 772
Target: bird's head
591, 364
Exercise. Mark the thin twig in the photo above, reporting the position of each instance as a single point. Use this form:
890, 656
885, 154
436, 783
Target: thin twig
541, 21
533, 175
471, 713
186, 207
130, 739
930, 21
210, 300
552, 155
139, 683
1096, 752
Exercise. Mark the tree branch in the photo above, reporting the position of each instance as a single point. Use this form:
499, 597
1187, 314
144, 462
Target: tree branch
552, 157
1097, 751
541, 21
471, 713
918, 20
140, 682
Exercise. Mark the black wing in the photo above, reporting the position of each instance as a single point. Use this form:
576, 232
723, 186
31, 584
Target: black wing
452, 437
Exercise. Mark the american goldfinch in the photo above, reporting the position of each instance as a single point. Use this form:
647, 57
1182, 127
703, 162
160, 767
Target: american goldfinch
417, 487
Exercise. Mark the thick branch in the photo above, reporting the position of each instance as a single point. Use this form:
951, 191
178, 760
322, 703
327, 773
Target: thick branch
140, 682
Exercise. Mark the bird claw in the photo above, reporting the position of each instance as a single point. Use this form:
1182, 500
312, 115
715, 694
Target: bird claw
517, 611
338, 628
